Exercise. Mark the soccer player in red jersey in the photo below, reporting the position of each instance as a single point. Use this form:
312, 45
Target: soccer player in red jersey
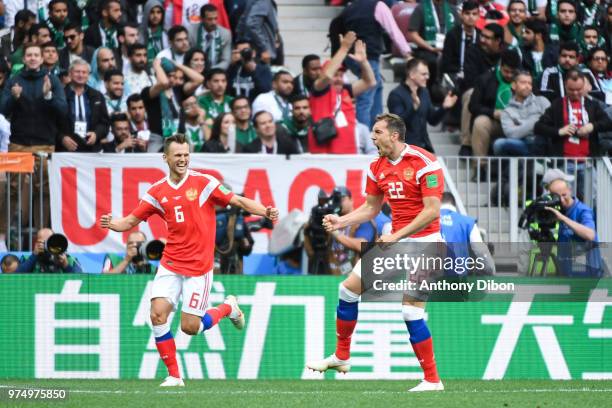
411, 179
186, 200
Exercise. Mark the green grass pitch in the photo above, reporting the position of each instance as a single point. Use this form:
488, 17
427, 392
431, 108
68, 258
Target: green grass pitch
307, 393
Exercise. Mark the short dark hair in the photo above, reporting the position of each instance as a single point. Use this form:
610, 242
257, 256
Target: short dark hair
36, 28
496, 29
108, 75
511, 59
298, 98
8, 259
308, 58
207, 8
107, 3
23, 16
413, 64
590, 27
280, 73
134, 98
190, 54
119, 117
54, 2
574, 75
239, 98
395, 124
121, 29
511, 2
570, 2
135, 47
447, 197
177, 29
214, 71
258, 114
48, 44
469, 5
73, 26
537, 26
595, 50
520, 73
176, 138
569, 46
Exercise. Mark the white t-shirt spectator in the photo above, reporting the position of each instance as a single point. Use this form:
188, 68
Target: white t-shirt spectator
271, 102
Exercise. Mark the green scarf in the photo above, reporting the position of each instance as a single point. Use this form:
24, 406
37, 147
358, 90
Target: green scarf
214, 48
532, 6
504, 90
57, 34
109, 37
517, 36
556, 34
431, 23
590, 14
293, 130
154, 43
169, 117
195, 136
585, 49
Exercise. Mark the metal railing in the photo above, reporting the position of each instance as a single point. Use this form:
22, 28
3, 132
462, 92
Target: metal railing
496, 190
603, 199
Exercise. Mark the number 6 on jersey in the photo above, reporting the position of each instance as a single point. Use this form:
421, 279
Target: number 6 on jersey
178, 214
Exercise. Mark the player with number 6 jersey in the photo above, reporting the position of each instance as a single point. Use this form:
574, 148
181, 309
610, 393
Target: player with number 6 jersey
411, 179
186, 200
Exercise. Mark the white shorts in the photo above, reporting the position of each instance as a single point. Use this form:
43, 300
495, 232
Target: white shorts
435, 237
194, 290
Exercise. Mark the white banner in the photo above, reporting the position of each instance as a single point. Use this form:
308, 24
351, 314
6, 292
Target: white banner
86, 186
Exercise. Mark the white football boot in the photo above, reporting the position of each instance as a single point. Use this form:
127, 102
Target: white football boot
428, 386
171, 381
330, 363
236, 316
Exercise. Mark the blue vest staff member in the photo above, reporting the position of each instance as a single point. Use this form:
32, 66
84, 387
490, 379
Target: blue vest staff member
576, 228
462, 235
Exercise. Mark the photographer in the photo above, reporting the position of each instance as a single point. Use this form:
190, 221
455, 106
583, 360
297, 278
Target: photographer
338, 252
49, 257
133, 262
248, 77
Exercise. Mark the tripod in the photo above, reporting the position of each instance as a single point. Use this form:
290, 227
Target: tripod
544, 256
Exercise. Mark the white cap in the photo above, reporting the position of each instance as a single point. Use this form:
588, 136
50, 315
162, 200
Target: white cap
555, 174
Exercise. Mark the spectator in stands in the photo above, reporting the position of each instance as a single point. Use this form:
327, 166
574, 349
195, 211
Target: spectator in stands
116, 98
42, 261
331, 98
103, 61
50, 58
590, 13
553, 78
32, 100
259, 25
179, 45
177, 12
519, 118
215, 101
194, 124
606, 26
589, 39
124, 141
214, 40
564, 26
138, 120
277, 100
429, 24
248, 77
24, 20
297, 126
459, 38
127, 35
478, 60
133, 262
517, 11
9, 263
75, 47
152, 33
572, 123
370, 19
40, 34
411, 101
58, 17
598, 61
462, 235
576, 228
245, 131
311, 69
86, 122
15, 12
222, 136
104, 32
196, 60
491, 95
491, 12
268, 140
536, 53
137, 76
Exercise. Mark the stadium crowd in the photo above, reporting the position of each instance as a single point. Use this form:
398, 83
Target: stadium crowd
118, 76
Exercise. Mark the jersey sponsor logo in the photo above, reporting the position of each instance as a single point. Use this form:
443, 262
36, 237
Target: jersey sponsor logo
191, 194
408, 173
431, 181
224, 190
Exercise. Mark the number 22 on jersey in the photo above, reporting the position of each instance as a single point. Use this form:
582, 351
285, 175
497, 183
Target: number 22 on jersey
396, 189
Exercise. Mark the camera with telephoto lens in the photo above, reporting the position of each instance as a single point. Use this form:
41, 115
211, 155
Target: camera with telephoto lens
149, 251
539, 221
55, 245
326, 205
246, 55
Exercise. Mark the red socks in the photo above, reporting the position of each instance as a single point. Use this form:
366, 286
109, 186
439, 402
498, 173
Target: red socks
167, 352
424, 353
344, 332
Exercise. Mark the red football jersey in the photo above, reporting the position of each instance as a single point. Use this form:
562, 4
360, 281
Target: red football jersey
404, 182
189, 211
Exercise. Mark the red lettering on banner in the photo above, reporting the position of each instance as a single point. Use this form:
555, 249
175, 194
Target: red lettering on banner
212, 172
73, 230
303, 181
354, 182
132, 178
257, 187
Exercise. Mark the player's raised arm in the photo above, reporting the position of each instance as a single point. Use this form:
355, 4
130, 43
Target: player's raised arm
119, 224
367, 211
253, 207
